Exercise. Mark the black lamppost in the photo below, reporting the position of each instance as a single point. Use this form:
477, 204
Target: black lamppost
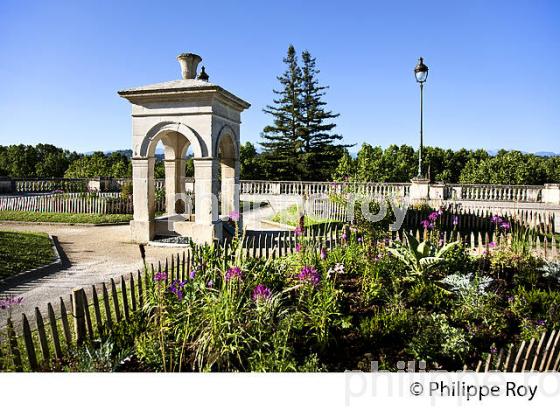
421, 74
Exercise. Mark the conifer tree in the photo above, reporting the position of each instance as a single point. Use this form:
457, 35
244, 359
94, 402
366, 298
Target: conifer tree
319, 143
282, 143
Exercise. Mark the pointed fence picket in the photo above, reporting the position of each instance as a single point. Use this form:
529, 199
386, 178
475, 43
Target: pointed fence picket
540, 355
35, 345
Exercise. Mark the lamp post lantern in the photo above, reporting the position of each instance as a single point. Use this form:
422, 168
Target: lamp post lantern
421, 74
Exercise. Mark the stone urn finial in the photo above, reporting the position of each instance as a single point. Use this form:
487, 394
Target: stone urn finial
189, 63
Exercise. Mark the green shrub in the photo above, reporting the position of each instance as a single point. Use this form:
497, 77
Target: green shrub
536, 305
437, 341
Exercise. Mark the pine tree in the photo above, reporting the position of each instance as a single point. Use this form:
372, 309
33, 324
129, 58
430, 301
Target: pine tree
321, 153
282, 140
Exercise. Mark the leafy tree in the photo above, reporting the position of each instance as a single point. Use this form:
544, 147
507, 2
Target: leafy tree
345, 169
252, 164
368, 165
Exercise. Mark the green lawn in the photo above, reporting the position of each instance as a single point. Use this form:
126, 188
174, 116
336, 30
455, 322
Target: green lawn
21, 251
24, 216
290, 216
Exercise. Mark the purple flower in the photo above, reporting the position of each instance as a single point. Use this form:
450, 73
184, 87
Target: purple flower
541, 322
344, 236
298, 247
492, 244
234, 272
261, 293
427, 224
210, 283
160, 276
192, 274
323, 254
505, 225
496, 220
308, 274
10, 301
455, 220
360, 239
493, 350
234, 216
176, 288
298, 231
510, 299
433, 216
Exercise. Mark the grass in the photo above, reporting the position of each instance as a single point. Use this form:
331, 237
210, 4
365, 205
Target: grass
21, 251
290, 216
25, 216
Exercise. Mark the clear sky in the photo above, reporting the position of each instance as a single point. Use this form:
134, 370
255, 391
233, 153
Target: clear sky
494, 66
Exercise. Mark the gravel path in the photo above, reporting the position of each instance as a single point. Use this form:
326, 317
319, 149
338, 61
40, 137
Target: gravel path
93, 254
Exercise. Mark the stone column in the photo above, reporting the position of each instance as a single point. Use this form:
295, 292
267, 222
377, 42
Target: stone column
206, 199
437, 192
142, 227
230, 191
551, 194
228, 186
7, 185
174, 185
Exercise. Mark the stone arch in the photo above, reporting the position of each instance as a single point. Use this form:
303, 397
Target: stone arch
227, 142
158, 131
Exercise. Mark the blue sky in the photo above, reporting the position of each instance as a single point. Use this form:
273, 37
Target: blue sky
494, 66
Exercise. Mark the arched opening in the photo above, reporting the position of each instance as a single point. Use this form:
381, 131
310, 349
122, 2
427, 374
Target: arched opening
168, 194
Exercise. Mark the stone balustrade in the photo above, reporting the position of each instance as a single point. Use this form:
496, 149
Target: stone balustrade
256, 187
414, 190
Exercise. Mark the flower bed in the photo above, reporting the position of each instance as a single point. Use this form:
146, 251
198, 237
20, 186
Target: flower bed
338, 309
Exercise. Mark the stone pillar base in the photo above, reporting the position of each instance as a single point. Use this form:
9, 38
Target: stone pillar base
142, 231
419, 189
199, 233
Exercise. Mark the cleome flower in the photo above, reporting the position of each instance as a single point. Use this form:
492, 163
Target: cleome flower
160, 276
434, 216
309, 275
234, 272
496, 219
261, 293
427, 224
10, 301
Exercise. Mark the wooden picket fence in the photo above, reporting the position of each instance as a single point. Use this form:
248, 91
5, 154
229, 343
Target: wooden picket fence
540, 355
36, 343
101, 203
280, 243
469, 217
